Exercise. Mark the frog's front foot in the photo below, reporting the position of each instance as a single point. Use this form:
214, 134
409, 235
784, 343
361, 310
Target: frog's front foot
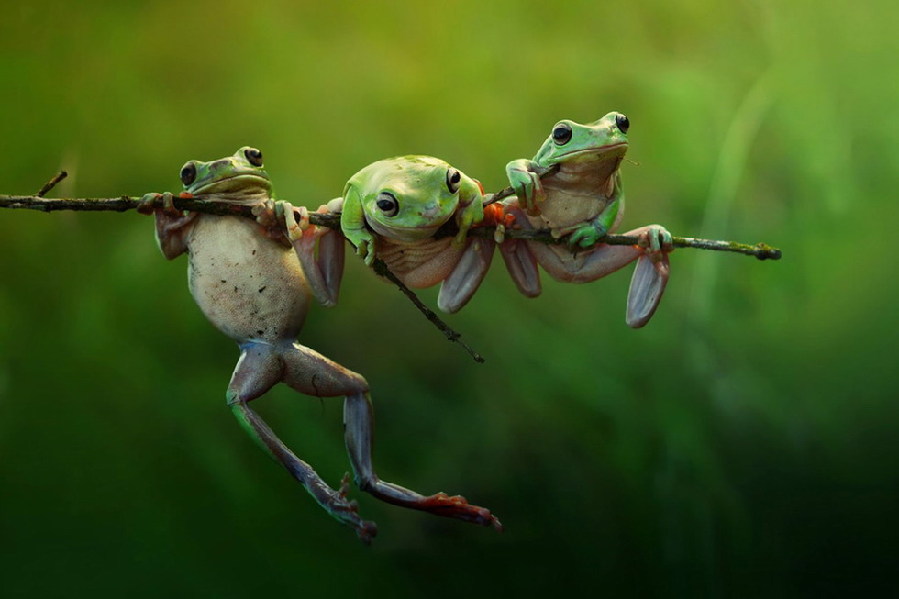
150, 202
525, 182
587, 235
270, 216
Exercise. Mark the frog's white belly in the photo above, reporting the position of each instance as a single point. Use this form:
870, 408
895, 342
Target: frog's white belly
249, 287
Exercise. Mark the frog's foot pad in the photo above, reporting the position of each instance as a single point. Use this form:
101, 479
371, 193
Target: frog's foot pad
456, 506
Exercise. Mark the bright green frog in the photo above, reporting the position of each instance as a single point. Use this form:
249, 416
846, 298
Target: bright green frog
393, 209
254, 287
580, 198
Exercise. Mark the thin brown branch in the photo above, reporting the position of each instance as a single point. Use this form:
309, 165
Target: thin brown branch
51, 183
762, 251
381, 268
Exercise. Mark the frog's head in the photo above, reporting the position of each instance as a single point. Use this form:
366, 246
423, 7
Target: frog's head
589, 152
570, 142
410, 197
238, 178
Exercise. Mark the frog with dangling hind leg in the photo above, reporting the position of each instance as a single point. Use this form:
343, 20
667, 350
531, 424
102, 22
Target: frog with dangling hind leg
254, 286
414, 213
579, 198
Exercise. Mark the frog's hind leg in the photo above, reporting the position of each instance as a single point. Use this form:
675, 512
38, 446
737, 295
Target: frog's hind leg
358, 423
650, 277
466, 277
260, 367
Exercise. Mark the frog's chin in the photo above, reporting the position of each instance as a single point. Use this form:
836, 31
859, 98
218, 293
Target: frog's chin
404, 233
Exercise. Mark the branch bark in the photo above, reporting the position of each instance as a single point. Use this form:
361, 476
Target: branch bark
762, 251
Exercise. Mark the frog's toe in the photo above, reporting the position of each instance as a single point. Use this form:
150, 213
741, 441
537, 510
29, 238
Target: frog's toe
583, 237
148, 202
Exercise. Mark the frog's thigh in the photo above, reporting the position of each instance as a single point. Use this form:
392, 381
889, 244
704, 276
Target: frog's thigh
434, 270
309, 372
522, 266
466, 277
584, 266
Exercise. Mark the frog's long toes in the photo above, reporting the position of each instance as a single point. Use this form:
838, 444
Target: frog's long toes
456, 506
366, 531
344, 485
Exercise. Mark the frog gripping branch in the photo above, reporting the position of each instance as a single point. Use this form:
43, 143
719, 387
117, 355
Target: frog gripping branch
580, 200
253, 287
254, 265
395, 209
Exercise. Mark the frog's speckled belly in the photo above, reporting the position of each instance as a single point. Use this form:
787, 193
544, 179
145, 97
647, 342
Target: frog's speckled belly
248, 286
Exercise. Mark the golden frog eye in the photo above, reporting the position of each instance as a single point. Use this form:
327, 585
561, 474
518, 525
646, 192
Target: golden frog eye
188, 173
387, 203
453, 179
254, 156
622, 123
561, 134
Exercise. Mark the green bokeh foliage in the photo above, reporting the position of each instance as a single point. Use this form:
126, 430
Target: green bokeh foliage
743, 444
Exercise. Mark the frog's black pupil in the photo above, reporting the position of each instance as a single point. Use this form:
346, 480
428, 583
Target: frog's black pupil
188, 173
254, 156
562, 134
452, 180
622, 123
387, 203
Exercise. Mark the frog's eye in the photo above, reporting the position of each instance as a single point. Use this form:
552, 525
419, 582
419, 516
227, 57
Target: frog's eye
188, 173
387, 203
562, 134
254, 156
453, 178
622, 123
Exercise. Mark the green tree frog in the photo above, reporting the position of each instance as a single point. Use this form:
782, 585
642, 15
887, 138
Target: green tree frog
393, 210
581, 198
255, 288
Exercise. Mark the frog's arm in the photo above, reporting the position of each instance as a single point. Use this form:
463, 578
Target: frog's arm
324, 271
352, 223
525, 181
466, 277
587, 235
471, 210
172, 225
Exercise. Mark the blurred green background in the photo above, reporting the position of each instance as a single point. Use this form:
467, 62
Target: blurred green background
742, 444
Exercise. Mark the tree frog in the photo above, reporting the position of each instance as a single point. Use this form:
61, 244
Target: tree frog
581, 198
254, 288
393, 210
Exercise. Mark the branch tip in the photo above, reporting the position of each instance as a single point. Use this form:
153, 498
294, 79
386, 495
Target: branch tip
51, 183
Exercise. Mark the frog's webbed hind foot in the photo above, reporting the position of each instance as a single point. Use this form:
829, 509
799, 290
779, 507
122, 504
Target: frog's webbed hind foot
261, 366
650, 276
357, 417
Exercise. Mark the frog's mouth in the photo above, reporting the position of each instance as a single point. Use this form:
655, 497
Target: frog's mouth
239, 188
600, 153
